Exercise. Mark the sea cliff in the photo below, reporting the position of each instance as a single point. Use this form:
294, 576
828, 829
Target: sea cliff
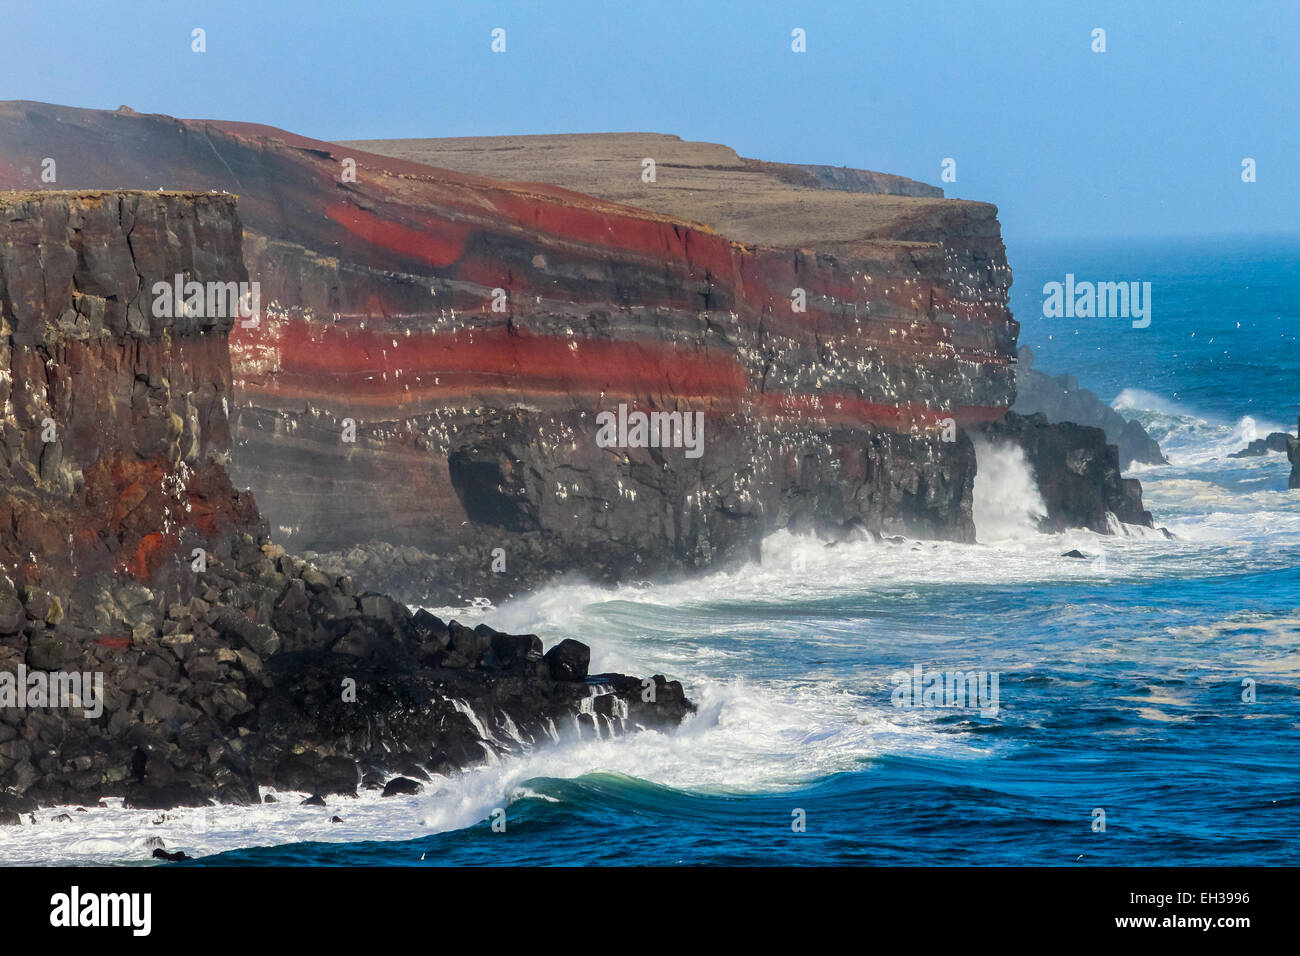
436, 347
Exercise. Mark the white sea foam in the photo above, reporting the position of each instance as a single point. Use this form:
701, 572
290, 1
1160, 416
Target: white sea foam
1139, 399
1007, 502
1187, 437
1224, 501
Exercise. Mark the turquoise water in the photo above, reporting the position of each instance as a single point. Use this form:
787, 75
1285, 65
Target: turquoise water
1120, 677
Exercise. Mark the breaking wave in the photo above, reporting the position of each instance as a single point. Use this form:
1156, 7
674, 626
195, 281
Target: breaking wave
1185, 436
1007, 503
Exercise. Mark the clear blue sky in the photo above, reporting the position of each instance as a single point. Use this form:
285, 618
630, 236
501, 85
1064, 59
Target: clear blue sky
1146, 139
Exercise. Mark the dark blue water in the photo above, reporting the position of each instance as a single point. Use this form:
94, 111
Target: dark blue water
1157, 682
1224, 337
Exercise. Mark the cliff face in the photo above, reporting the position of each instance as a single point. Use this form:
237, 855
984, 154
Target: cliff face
475, 427
115, 432
154, 644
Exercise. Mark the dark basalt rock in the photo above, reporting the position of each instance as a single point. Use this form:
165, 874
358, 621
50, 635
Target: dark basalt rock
650, 702
308, 717
171, 857
568, 660
1077, 471
1275, 441
1073, 553
401, 786
316, 774
881, 481
13, 617
511, 650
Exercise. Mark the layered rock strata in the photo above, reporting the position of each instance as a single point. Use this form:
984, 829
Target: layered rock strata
421, 400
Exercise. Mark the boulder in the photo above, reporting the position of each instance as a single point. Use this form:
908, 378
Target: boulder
569, 660
401, 786
12, 614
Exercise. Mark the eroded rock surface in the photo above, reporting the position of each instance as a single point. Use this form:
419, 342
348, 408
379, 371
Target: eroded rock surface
1078, 473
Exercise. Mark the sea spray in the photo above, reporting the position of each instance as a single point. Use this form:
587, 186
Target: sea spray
1008, 504
1187, 436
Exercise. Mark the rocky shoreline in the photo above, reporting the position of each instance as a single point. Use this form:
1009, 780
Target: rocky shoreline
277, 674
170, 653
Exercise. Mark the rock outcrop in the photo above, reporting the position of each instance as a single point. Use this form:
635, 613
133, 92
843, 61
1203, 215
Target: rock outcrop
115, 433
154, 643
1293, 455
1078, 473
1061, 399
1274, 441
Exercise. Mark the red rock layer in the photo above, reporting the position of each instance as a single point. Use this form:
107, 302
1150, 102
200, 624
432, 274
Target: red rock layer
475, 424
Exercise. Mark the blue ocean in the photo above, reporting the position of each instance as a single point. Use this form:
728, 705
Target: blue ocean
1148, 696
